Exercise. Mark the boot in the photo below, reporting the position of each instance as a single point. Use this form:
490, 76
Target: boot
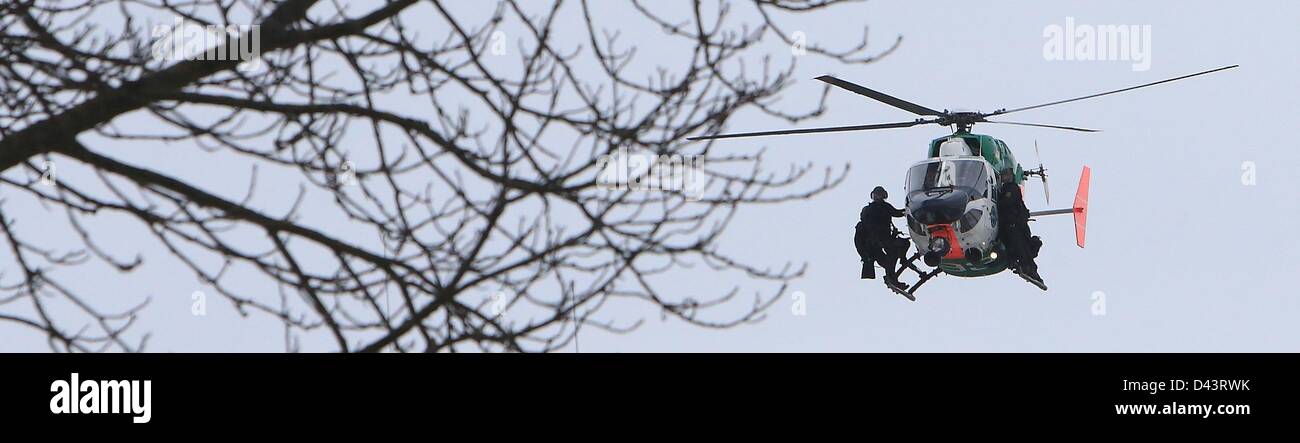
1032, 273
891, 279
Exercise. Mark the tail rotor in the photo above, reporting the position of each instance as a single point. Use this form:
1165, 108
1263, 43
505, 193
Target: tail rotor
1041, 173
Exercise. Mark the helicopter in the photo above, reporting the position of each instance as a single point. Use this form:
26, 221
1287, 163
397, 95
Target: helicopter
950, 195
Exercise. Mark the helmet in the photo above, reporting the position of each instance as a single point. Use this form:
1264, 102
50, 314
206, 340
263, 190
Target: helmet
1008, 175
880, 190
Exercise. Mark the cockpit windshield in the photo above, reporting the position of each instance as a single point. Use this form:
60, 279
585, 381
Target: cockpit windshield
947, 173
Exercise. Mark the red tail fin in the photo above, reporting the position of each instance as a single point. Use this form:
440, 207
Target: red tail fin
1081, 207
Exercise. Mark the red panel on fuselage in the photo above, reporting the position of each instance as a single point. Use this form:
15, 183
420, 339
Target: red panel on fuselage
945, 230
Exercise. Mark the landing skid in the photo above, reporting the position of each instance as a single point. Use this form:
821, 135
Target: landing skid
897, 290
910, 264
1038, 283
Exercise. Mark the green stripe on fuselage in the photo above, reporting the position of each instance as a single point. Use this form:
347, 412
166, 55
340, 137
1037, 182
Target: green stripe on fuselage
966, 268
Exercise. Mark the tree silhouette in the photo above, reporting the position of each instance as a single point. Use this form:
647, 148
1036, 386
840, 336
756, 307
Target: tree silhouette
442, 163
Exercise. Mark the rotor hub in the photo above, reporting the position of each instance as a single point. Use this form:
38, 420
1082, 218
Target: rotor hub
963, 120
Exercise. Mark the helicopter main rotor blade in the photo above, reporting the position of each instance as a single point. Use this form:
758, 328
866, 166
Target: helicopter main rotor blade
813, 130
880, 96
1069, 128
1008, 111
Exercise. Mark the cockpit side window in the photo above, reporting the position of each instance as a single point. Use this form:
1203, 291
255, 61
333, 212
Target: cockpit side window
980, 182
988, 182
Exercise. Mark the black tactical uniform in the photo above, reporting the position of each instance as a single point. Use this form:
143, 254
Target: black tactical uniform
1013, 224
875, 240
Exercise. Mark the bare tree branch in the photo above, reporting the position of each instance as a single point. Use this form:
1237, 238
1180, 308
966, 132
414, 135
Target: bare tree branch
452, 160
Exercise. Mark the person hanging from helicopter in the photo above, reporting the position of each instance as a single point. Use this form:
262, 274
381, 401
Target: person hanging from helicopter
877, 240
1013, 223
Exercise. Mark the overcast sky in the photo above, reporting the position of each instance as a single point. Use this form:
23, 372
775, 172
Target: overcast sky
1183, 254
1187, 257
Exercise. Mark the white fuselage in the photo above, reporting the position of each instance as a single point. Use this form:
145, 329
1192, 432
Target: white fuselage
977, 227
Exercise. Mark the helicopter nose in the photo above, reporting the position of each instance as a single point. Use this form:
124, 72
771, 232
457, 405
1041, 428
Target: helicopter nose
938, 208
